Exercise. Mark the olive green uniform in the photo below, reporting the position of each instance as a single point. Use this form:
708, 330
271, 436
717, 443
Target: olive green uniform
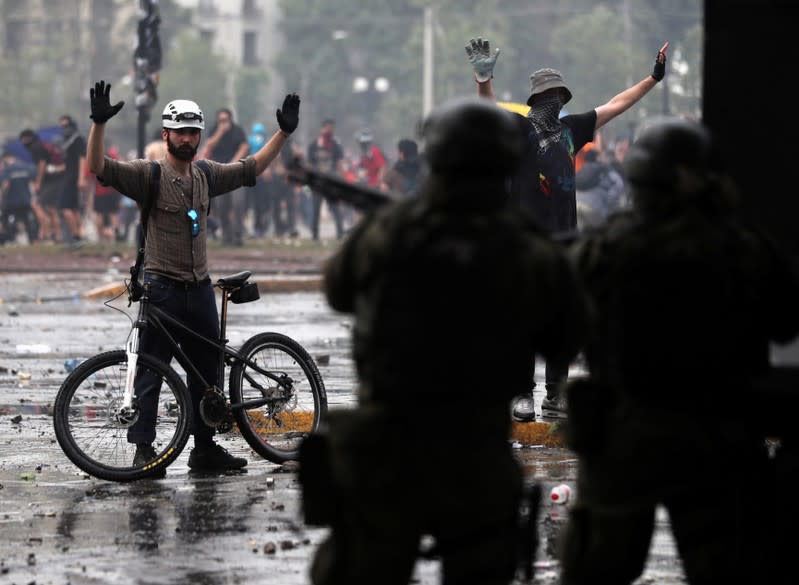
688, 303
452, 294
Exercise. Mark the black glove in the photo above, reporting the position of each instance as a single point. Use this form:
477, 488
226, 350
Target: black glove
100, 98
289, 115
660, 66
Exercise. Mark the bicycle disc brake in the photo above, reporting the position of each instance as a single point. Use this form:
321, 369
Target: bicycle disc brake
123, 417
215, 412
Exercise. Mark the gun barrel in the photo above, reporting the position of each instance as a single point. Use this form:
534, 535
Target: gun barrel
336, 188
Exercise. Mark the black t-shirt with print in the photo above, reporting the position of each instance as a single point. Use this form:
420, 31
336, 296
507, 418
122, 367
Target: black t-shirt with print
325, 157
545, 184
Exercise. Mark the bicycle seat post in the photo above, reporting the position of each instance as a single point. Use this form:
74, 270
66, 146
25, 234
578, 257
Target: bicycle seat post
222, 335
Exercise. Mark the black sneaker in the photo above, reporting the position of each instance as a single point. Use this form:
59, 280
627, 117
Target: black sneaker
523, 408
554, 407
144, 454
214, 458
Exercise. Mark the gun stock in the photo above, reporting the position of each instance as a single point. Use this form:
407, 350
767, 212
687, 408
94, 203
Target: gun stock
336, 189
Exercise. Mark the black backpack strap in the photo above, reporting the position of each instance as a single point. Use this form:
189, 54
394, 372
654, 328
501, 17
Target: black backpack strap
206, 169
153, 186
152, 194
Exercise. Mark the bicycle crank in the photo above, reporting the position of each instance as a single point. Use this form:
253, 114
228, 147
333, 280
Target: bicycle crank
215, 412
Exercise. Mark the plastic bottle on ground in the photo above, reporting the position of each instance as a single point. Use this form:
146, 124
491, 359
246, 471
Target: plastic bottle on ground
560, 494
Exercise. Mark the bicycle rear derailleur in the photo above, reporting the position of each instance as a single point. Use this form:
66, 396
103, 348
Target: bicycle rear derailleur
215, 411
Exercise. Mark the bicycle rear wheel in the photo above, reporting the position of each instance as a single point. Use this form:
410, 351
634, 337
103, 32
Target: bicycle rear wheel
91, 431
293, 406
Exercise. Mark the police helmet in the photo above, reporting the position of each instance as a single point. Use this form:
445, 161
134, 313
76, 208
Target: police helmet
673, 165
666, 149
471, 136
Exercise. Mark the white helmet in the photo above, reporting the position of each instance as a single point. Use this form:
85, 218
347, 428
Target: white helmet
182, 114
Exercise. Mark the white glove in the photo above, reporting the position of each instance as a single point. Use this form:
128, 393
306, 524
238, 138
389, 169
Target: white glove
481, 59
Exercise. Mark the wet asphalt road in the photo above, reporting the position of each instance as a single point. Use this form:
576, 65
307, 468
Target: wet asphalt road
59, 526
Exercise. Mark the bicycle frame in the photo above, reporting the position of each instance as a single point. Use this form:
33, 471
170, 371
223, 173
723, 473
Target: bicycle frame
154, 316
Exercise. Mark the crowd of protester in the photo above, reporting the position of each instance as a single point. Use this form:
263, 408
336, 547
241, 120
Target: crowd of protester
49, 196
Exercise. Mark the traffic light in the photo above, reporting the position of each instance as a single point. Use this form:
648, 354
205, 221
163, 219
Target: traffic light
147, 56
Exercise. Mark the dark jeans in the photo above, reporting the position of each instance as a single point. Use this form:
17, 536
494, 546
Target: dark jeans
11, 217
195, 306
335, 211
284, 212
232, 209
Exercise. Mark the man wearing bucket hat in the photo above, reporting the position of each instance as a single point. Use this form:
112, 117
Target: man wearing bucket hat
545, 182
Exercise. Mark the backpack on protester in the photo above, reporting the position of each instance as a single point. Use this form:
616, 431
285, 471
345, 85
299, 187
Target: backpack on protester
136, 285
55, 158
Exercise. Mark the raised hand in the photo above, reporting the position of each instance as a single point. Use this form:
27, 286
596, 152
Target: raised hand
288, 117
660, 63
482, 60
100, 98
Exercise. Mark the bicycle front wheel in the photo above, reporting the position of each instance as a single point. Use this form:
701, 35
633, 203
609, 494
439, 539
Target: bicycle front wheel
92, 429
284, 410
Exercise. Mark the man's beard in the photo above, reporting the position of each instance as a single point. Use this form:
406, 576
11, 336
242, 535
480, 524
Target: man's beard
183, 152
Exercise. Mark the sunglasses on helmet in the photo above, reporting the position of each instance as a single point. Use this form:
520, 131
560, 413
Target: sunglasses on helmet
194, 218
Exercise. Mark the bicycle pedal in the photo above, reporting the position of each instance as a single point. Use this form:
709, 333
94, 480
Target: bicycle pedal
224, 427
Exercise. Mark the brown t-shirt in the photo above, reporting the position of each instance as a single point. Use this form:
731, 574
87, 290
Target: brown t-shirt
170, 249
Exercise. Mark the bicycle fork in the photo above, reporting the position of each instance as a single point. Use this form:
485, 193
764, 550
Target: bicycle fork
126, 412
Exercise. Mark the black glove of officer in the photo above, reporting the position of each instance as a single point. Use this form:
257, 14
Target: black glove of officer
288, 117
100, 99
659, 72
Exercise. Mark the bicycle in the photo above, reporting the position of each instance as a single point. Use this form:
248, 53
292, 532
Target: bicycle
276, 394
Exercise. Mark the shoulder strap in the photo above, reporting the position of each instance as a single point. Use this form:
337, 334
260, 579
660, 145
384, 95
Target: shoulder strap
206, 169
150, 196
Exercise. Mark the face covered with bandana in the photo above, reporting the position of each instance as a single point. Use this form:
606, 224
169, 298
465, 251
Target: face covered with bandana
544, 115
68, 127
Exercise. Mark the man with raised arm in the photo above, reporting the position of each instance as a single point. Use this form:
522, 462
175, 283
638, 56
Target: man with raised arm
175, 265
545, 182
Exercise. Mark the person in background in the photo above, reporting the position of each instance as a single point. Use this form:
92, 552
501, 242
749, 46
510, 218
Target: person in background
688, 297
371, 163
405, 175
286, 194
600, 190
259, 197
545, 182
619, 151
448, 278
70, 204
257, 137
228, 143
16, 195
47, 185
106, 205
326, 154
176, 257
155, 149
